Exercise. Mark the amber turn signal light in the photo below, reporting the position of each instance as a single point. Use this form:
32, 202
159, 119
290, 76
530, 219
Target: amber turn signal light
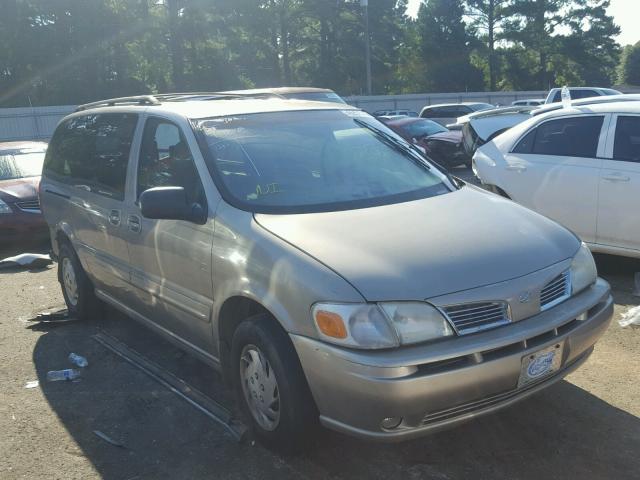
331, 324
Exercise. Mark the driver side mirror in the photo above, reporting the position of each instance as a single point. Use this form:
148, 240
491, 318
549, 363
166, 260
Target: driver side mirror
170, 203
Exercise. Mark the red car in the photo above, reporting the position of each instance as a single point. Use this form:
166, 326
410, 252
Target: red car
20, 170
439, 143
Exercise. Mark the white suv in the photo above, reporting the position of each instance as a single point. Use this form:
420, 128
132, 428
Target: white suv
579, 166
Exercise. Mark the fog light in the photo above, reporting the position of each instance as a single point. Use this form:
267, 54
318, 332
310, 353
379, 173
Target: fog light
390, 423
582, 317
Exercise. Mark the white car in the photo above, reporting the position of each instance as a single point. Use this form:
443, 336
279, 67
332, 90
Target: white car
446, 113
579, 166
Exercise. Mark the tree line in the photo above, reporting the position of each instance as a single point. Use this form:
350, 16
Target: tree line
73, 51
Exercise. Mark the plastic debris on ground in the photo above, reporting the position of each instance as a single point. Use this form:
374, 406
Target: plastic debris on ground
31, 260
108, 439
66, 374
78, 360
631, 317
32, 384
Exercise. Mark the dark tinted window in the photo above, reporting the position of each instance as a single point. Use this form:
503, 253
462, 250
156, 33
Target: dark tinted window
557, 97
574, 137
93, 151
526, 144
576, 94
627, 142
166, 161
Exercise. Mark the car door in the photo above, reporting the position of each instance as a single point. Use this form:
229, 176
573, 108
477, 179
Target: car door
554, 169
88, 168
618, 219
171, 259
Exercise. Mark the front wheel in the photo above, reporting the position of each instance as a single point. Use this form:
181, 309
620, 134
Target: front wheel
270, 385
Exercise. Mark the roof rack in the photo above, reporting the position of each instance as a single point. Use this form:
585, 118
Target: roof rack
174, 97
137, 100
181, 97
585, 102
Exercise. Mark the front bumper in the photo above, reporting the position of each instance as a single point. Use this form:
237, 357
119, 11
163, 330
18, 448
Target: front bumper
436, 386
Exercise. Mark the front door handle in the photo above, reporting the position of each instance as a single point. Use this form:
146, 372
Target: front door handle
615, 177
134, 223
517, 167
114, 217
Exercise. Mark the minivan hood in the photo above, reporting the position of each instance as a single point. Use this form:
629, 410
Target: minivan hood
430, 247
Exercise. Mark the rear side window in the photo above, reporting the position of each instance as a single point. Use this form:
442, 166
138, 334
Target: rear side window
626, 146
92, 151
570, 137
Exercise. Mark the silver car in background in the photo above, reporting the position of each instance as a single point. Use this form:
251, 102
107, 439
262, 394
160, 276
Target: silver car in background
317, 260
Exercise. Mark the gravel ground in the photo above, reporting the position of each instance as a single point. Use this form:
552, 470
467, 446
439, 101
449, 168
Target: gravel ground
584, 427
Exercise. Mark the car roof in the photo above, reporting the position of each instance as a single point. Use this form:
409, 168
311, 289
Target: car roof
600, 100
594, 108
22, 145
204, 106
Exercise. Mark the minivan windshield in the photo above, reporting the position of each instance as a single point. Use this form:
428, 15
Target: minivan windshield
313, 161
21, 164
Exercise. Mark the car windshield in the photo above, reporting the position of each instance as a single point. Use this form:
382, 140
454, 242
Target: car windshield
313, 161
424, 128
21, 164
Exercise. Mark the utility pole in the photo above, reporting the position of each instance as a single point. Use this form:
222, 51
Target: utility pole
367, 42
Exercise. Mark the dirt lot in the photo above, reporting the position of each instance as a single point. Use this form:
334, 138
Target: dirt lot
584, 427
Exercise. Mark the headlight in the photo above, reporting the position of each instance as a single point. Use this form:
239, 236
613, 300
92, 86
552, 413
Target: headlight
4, 208
583, 270
382, 325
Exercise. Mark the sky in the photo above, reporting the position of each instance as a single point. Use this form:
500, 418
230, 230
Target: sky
625, 13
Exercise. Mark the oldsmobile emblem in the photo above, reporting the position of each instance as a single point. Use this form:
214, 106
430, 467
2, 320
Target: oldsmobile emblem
524, 297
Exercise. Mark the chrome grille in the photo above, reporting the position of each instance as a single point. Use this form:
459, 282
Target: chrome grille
556, 291
29, 205
473, 317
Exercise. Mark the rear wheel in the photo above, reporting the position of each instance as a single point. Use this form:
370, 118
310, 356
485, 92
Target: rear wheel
270, 385
77, 289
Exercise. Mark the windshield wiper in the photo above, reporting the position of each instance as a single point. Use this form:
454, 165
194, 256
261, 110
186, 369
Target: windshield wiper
403, 147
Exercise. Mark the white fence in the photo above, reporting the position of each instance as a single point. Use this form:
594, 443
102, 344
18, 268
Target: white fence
35, 123
415, 102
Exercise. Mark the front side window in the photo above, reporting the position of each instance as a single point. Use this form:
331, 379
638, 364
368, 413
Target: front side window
21, 164
569, 137
626, 146
166, 161
93, 151
319, 160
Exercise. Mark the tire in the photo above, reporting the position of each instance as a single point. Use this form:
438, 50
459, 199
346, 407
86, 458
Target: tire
260, 342
76, 286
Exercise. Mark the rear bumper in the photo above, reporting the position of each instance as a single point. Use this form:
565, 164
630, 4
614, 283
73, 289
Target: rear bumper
356, 390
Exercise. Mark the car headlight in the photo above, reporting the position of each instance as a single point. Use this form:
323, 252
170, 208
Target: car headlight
583, 270
4, 208
384, 325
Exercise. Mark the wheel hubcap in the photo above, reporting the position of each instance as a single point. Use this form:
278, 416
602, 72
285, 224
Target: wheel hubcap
260, 387
69, 281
